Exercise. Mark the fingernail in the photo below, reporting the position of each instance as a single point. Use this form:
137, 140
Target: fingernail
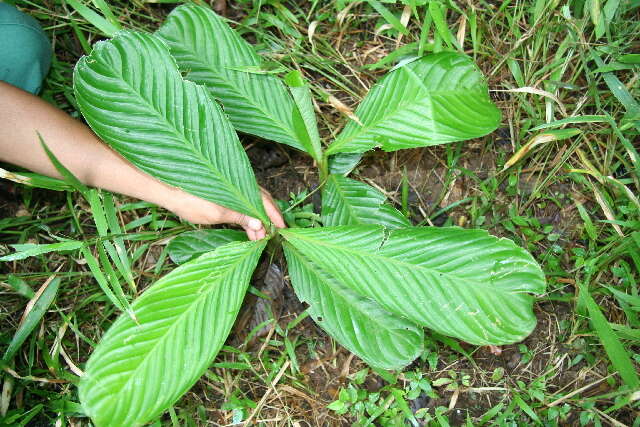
254, 224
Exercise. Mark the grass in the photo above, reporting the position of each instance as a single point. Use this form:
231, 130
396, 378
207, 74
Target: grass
555, 69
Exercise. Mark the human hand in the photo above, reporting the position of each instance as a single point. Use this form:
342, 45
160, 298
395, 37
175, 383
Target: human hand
200, 211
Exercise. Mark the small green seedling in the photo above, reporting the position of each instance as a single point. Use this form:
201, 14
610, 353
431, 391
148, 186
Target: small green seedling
371, 280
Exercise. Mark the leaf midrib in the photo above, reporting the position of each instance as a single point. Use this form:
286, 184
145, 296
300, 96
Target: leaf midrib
349, 207
402, 263
201, 295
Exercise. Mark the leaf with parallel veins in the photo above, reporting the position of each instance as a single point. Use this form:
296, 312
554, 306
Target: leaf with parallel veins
349, 202
380, 338
462, 283
436, 99
140, 369
132, 95
212, 54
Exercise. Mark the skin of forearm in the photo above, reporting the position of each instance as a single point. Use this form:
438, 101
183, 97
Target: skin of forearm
74, 144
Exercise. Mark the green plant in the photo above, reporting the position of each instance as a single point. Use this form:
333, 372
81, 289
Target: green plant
366, 266
388, 406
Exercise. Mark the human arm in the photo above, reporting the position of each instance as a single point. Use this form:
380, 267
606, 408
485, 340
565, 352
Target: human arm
95, 164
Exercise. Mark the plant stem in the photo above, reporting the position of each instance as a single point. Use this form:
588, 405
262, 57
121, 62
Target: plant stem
323, 168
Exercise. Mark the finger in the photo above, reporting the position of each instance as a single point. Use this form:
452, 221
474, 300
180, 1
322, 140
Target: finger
244, 221
251, 234
253, 226
261, 234
254, 234
272, 210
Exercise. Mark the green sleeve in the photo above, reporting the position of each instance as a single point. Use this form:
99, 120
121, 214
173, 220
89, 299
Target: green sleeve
25, 51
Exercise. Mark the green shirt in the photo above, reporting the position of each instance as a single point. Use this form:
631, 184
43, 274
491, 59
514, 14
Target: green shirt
25, 51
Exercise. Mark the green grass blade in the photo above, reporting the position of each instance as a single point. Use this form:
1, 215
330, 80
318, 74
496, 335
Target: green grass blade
121, 260
97, 212
106, 11
572, 120
437, 11
105, 27
20, 286
526, 408
620, 91
112, 278
102, 224
27, 250
388, 16
615, 350
424, 32
35, 180
41, 303
94, 266
62, 170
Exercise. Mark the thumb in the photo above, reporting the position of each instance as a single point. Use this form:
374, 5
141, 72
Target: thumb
252, 226
251, 223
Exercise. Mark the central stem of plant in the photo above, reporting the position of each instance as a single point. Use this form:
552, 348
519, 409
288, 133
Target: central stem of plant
323, 168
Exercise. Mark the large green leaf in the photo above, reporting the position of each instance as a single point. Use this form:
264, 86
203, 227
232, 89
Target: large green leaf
191, 244
212, 54
436, 99
359, 323
131, 93
462, 283
139, 369
349, 202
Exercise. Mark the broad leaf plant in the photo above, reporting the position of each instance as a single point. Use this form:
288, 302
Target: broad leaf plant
171, 103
